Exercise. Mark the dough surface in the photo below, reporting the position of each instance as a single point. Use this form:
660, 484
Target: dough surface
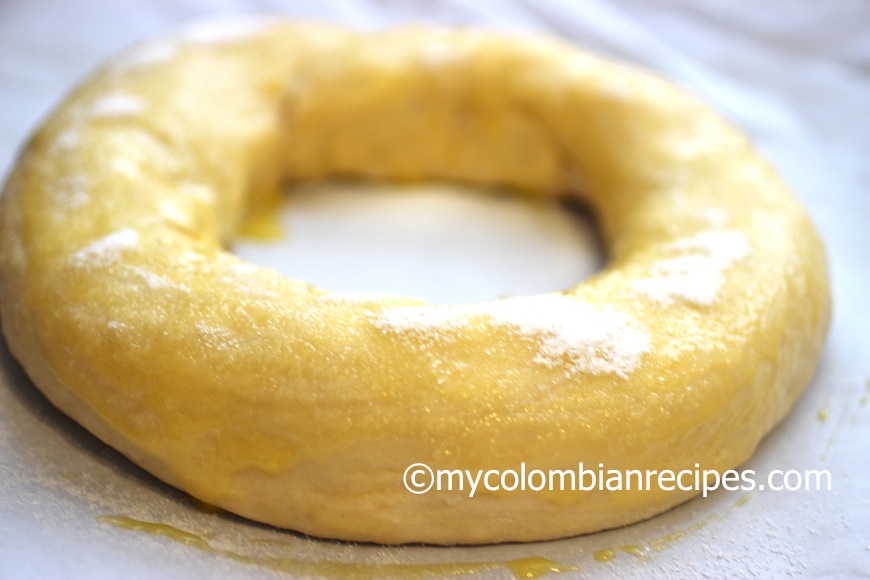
299, 407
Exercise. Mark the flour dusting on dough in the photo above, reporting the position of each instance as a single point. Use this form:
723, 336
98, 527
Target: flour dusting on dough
66, 140
422, 318
595, 341
722, 245
226, 30
568, 332
116, 105
117, 325
257, 283
354, 297
218, 337
155, 281
714, 217
441, 51
243, 268
72, 191
108, 250
697, 272
106, 247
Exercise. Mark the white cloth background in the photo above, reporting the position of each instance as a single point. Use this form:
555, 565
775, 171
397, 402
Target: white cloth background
795, 74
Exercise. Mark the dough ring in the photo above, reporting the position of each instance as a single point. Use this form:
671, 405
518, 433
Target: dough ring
302, 408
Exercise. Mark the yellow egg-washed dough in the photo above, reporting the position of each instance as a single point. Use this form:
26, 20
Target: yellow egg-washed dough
291, 405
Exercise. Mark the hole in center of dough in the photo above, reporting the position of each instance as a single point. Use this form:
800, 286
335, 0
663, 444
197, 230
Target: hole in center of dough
442, 243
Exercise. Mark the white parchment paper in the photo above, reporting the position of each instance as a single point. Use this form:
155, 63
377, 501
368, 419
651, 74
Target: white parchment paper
795, 74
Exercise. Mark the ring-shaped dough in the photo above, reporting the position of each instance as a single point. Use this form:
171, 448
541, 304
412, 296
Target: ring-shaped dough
302, 408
